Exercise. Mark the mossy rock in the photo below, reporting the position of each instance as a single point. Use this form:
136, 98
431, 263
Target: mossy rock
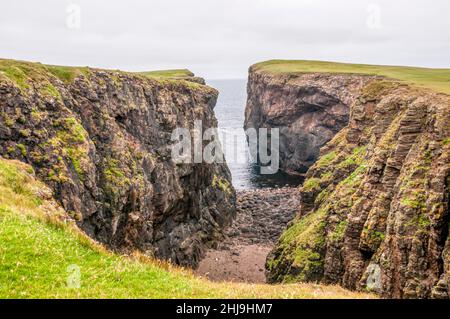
222, 184
299, 252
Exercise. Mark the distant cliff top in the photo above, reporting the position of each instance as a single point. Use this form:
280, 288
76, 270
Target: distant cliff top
19, 71
177, 74
435, 79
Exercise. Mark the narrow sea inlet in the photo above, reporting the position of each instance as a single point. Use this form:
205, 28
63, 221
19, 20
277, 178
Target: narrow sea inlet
265, 203
212, 149
230, 114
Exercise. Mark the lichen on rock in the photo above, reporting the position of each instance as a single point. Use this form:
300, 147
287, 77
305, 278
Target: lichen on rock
102, 141
379, 187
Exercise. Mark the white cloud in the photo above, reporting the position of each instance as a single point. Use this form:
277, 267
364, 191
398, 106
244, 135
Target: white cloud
221, 38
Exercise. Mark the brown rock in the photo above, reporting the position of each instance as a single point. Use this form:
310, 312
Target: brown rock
102, 141
374, 210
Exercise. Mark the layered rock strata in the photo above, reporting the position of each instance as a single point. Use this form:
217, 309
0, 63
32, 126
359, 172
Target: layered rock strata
102, 141
374, 211
308, 109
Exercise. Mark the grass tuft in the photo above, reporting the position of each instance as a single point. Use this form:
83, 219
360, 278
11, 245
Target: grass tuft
44, 255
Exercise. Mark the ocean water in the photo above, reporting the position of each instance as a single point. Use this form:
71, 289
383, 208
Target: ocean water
229, 111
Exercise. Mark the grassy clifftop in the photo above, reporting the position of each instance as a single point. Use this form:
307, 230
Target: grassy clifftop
435, 79
171, 74
44, 255
20, 71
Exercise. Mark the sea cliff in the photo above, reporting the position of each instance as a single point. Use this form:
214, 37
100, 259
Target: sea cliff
101, 140
374, 208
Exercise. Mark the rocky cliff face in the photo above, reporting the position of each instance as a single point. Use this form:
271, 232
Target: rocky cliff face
308, 109
374, 212
102, 141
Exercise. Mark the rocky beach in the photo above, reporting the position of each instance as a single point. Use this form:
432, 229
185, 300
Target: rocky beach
262, 215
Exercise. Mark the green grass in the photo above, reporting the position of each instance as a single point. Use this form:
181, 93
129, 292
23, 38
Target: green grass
311, 184
66, 73
169, 74
435, 79
20, 72
44, 255
356, 158
326, 159
301, 244
14, 73
23, 72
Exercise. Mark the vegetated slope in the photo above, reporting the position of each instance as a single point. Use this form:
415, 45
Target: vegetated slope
374, 207
435, 79
177, 74
43, 254
102, 141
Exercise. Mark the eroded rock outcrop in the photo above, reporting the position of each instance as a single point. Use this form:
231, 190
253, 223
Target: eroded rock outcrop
309, 109
374, 210
261, 216
102, 141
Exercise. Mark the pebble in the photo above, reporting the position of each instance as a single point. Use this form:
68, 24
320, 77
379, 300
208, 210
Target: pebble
262, 215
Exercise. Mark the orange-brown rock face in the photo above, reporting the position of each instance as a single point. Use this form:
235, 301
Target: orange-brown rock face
308, 109
102, 141
374, 211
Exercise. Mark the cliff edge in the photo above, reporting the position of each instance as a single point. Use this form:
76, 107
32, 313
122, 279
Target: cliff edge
102, 141
374, 212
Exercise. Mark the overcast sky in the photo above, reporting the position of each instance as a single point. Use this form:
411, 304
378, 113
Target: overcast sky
222, 38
